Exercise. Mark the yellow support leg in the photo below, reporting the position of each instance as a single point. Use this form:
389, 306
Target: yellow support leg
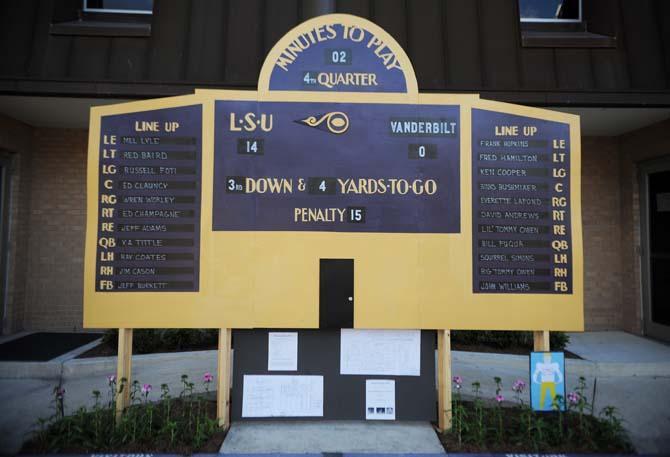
541, 340
444, 379
223, 379
123, 370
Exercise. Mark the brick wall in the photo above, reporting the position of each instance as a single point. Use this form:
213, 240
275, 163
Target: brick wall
57, 228
46, 272
601, 215
58, 209
641, 145
16, 141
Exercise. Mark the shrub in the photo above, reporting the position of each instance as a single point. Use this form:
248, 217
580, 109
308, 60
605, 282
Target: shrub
506, 339
165, 340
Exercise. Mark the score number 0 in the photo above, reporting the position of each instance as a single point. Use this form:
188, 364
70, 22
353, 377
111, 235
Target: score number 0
422, 151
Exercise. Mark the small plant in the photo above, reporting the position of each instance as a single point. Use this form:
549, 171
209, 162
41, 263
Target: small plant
499, 399
557, 405
58, 401
496, 427
615, 427
582, 404
480, 431
519, 387
207, 378
163, 425
458, 412
111, 390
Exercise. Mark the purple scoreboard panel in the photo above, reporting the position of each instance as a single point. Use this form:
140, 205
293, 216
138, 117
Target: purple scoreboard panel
289, 166
149, 209
520, 204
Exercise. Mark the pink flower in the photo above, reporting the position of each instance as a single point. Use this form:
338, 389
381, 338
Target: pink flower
500, 398
111, 379
60, 392
519, 386
208, 377
146, 388
458, 381
574, 397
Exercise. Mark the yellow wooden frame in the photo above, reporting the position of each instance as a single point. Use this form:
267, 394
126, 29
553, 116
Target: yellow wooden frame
288, 296
270, 279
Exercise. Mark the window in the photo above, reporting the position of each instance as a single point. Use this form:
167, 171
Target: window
550, 10
103, 18
118, 6
561, 24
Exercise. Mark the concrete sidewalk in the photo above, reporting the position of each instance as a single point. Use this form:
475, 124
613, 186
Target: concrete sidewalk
633, 375
618, 347
301, 437
26, 392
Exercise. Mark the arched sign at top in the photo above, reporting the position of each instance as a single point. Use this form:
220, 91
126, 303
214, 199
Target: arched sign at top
338, 53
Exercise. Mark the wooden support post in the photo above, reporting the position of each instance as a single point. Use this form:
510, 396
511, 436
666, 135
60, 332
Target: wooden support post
541, 340
223, 392
444, 379
123, 370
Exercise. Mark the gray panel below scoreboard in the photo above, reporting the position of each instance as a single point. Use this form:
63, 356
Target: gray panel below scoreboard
344, 395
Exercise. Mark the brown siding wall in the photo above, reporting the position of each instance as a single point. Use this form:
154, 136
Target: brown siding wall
455, 45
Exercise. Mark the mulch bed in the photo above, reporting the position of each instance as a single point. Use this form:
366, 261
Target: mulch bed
596, 440
211, 446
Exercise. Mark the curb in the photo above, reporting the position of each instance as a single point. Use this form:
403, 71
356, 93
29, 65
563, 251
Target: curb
76, 368
35, 370
77, 351
104, 365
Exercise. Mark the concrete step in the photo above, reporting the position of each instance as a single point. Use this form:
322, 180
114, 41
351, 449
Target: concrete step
301, 437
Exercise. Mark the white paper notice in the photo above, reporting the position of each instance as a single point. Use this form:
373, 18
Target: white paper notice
283, 351
379, 399
380, 352
282, 396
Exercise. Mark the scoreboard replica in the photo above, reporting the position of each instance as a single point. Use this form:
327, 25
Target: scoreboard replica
235, 209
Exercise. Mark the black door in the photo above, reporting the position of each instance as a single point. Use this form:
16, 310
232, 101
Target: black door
336, 293
5, 178
656, 249
659, 246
